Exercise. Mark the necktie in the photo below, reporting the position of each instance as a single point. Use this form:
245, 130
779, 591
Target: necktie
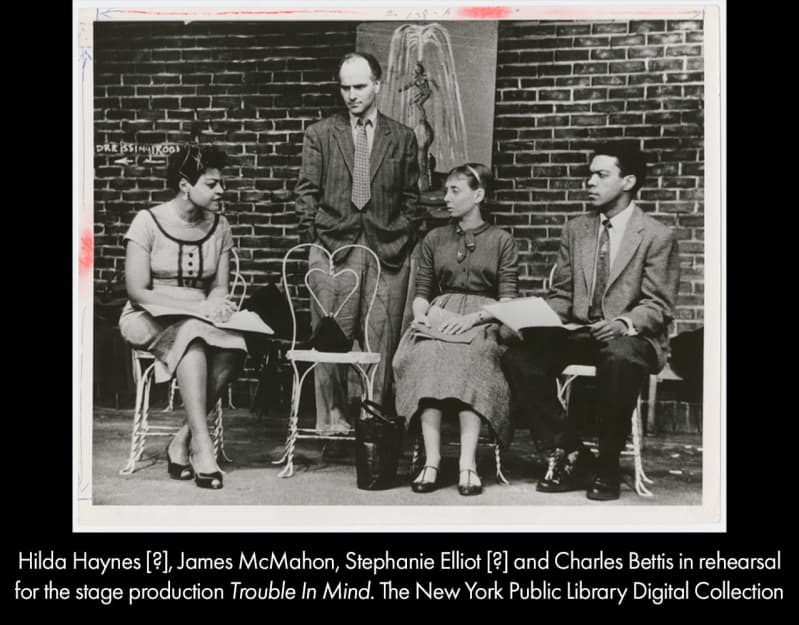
601, 272
360, 174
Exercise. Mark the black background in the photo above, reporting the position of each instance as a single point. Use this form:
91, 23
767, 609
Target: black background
37, 477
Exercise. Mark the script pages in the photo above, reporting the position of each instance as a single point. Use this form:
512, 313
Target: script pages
241, 320
528, 312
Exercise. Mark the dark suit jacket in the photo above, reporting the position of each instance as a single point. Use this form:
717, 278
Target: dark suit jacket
643, 280
324, 188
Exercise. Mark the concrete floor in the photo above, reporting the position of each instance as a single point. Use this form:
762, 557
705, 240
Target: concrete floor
674, 462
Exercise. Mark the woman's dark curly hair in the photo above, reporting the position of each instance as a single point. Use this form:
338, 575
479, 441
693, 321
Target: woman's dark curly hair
191, 162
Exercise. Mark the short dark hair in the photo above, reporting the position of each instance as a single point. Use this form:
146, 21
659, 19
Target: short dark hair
477, 175
191, 162
631, 160
374, 64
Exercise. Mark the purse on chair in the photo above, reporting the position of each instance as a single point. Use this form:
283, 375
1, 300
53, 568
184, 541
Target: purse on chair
378, 446
329, 337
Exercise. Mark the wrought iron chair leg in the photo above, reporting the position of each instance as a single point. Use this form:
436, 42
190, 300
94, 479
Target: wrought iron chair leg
640, 476
218, 432
137, 437
288, 456
501, 479
417, 457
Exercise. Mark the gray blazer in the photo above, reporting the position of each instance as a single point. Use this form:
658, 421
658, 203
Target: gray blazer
324, 188
643, 281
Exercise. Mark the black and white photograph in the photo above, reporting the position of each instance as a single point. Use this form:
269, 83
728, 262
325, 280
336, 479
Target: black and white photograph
440, 268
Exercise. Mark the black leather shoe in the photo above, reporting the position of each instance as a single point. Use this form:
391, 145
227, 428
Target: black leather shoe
564, 475
604, 488
469, 489
425, 487
178, 471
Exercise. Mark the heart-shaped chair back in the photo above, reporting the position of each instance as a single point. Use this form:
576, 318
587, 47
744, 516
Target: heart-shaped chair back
329, 275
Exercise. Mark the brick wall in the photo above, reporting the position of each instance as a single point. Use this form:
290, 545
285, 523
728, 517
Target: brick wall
254, 88
250, 88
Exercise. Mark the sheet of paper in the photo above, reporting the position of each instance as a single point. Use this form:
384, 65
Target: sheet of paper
528, 312
241, 320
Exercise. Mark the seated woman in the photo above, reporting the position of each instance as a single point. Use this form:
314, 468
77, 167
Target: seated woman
470, 264
178, 256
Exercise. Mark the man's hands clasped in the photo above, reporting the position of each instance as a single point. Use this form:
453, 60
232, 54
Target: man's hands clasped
608, 330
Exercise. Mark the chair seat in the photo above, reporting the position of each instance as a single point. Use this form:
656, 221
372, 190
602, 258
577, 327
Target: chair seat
581, 370
668, 374
312, 355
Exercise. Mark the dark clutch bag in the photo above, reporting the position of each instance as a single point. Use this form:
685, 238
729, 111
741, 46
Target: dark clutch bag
329, 337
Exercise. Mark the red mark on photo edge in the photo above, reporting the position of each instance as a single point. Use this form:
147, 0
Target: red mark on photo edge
486, 13
86, 252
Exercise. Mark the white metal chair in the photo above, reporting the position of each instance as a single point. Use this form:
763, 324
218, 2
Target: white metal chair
364, 362
144, 377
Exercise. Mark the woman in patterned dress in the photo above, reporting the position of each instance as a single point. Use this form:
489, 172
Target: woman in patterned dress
178, 257
448, 360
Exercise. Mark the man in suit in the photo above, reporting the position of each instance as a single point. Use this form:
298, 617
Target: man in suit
617, 276
358, 183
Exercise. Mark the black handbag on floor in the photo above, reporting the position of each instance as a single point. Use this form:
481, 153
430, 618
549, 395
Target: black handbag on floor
378, 446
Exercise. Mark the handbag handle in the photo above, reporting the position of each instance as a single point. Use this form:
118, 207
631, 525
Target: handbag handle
375, 410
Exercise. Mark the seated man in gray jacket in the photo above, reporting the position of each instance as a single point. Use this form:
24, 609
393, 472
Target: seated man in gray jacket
617, 274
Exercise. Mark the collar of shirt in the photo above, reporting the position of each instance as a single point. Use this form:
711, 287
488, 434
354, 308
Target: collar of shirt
481, 228
466, 240
372, 117
619, 221
370, 128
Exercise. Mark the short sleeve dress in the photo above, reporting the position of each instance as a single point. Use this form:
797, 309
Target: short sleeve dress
460, 271
183, 268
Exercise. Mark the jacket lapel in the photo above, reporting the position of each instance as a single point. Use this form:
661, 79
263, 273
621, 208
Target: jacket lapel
588, 247
629, 243
343, 136
381, 143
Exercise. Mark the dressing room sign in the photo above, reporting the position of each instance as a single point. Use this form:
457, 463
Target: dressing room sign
150, 149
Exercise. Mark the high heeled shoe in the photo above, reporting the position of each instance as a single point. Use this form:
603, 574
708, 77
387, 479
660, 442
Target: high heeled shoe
212, 481
469, 489
178, 471
209, 480
425, 487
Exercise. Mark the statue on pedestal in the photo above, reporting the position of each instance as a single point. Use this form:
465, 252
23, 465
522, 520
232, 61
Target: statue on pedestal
423, 130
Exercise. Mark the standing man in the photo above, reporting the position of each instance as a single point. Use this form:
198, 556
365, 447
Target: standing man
358, 183
618, 274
